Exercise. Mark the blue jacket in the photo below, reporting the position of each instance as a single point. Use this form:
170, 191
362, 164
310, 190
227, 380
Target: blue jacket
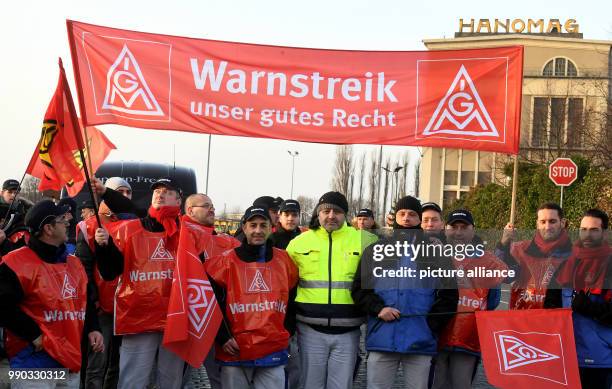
593, 340
407, 335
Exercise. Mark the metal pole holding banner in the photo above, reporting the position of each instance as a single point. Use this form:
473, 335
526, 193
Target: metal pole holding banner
208, 162
78, 134
514, 186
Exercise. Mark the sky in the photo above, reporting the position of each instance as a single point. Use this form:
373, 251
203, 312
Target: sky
241, 169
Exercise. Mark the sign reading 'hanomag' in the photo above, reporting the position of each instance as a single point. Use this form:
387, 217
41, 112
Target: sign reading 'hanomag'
507, 26
460, 99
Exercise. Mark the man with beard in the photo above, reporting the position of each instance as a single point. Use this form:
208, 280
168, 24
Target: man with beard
143, 253
588, 272
401, 327
536, 260
327, 256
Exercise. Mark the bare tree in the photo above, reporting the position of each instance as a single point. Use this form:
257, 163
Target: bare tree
417, 175
373, 180
29, 189
362, 173
383, 210
307, 205
405, 162
343, 169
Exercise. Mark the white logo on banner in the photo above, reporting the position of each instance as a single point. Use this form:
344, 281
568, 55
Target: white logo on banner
258, 284
198, 302
68, 290
125, 85
516, 352
160, 253
460, 106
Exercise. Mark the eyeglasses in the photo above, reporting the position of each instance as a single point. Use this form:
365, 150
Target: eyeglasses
203, 206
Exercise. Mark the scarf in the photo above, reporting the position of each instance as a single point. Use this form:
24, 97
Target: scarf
586, 268
166, 216
547, 247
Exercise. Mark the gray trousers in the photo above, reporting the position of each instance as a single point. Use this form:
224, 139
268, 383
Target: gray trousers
382, 369
328, 360
137, 359
103, 368
454, 370
292, 369
233, 377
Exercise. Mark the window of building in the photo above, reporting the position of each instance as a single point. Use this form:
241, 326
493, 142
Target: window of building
467, 178
557, 121
450, 177
484, 178
448, 198
560, 67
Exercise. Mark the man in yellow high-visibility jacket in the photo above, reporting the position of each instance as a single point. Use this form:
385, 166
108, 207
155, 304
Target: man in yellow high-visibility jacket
327, 257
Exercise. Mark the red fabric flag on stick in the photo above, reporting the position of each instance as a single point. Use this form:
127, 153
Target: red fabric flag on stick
193, 313
529, 348
56, 160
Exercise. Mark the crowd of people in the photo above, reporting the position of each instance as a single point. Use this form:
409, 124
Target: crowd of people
92, 297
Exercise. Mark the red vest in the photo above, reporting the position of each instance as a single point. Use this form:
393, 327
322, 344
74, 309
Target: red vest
141, 300
461, 331
55, 297
106, 289
529, 291
256, 302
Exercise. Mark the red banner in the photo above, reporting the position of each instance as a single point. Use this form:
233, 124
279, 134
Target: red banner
467, 99
193, 313
529, 349
56, 160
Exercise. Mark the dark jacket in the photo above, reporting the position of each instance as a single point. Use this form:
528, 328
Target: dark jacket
16, 215
282, 237
122, 206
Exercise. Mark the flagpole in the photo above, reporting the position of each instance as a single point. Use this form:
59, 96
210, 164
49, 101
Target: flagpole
79, 138
514, 186
208, 163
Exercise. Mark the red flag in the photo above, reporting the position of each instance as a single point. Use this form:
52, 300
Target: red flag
529, 348
56, 160
193, 313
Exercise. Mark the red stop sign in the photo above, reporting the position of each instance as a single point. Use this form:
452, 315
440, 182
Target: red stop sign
563, 172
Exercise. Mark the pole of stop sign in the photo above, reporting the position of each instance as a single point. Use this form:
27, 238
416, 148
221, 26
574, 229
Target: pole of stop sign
563, 172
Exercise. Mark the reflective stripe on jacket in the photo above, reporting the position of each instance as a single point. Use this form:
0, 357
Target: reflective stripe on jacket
327, 263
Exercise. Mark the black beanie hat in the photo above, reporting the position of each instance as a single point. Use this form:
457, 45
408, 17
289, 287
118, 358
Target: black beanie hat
332, 199
408, 202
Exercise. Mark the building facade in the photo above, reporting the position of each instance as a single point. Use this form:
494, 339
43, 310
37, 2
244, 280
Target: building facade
565, 109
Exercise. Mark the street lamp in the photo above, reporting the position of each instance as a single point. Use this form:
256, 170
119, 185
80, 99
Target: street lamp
394, 182
395, 172
293, 155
